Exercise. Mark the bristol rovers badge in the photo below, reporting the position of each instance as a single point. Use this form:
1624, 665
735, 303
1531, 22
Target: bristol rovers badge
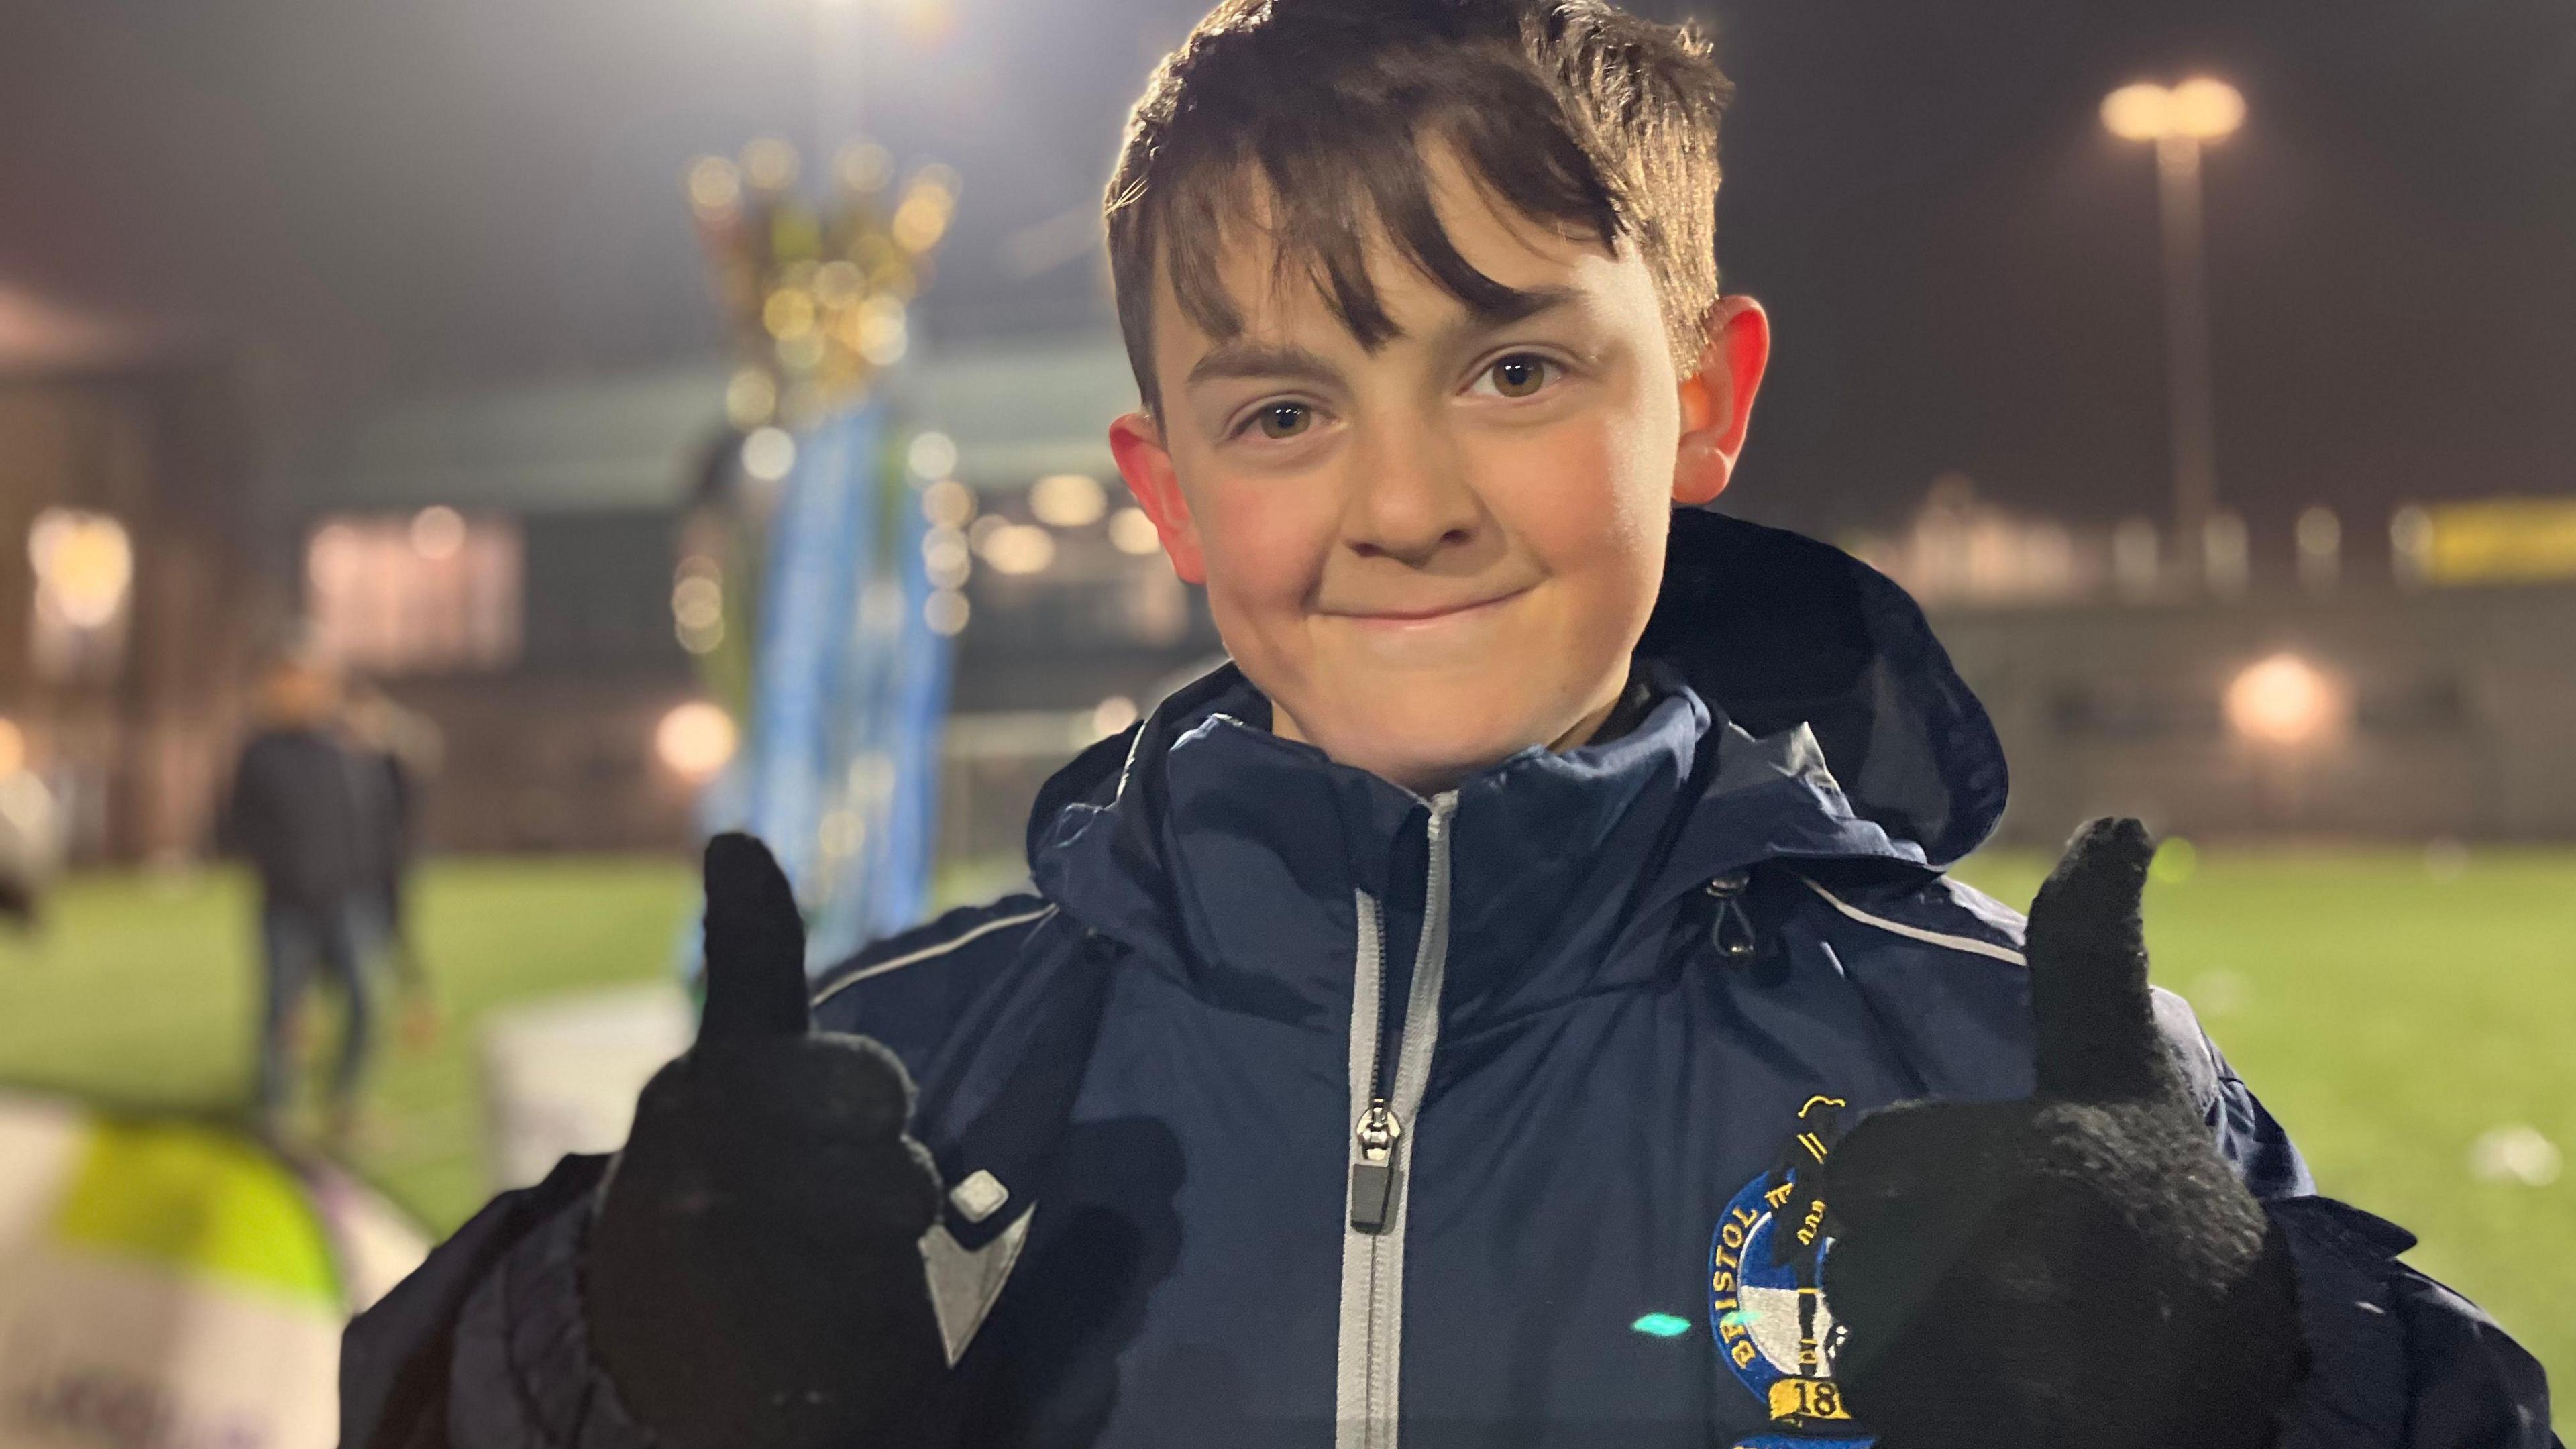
1766, 1301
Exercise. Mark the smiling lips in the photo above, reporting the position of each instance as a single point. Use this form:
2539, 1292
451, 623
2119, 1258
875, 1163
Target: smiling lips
1418, 617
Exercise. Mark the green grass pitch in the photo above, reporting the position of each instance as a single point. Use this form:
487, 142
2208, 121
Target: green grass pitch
2390, 1008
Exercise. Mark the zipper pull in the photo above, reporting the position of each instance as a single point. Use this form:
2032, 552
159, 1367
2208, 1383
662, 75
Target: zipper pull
1373, 1175
1732, 932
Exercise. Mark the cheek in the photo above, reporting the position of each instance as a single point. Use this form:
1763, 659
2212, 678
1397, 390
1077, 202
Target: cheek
1590, 501
1267, 540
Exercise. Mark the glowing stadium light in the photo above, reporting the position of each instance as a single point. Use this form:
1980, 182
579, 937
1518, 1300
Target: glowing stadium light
694, 740
2142, 112
2201, 109
2206, 109
2180, 121
2285, 701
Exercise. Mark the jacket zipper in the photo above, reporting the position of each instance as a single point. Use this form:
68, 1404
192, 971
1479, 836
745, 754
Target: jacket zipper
1370, 1357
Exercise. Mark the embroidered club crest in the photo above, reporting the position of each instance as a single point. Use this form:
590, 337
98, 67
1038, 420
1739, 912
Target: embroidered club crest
1766, 1300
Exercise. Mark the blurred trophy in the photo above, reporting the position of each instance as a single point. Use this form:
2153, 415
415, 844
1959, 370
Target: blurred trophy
815, 294
821, 576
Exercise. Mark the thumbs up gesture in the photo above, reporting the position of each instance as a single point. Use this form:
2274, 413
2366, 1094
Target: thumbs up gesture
2081, 1268
754, 1275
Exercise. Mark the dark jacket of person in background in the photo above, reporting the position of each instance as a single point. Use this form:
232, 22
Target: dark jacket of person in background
310, 815
1651, 961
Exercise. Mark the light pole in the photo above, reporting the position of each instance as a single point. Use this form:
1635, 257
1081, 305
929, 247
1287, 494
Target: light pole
2179, 120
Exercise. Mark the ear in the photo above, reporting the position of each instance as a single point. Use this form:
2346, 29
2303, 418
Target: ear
1137, 443
1717, 400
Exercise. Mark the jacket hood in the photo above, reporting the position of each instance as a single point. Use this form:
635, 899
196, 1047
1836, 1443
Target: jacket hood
1802, 708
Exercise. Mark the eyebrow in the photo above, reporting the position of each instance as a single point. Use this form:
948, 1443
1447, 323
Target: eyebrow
1242, 357
1522, 304
1245, 358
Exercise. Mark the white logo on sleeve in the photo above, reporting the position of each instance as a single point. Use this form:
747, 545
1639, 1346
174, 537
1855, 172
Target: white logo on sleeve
964, 1283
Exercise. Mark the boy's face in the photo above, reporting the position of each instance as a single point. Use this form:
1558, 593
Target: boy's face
1437, 554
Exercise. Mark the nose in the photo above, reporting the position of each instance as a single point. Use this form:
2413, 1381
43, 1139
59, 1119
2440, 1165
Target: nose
1410, 497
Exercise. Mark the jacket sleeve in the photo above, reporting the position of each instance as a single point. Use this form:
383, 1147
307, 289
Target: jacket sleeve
2396, 1360
483, 1346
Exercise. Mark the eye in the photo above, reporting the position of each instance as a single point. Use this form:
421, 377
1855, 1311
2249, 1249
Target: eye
1283, 419
1522, 374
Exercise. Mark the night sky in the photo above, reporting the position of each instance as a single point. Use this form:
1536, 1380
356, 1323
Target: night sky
1961, 263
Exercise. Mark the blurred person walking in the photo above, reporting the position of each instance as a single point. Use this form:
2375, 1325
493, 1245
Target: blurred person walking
309, 814
398, 749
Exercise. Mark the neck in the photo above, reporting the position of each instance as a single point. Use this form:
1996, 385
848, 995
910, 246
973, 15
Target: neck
1621, 703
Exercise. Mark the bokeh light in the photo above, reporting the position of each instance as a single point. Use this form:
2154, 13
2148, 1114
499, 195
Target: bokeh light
769, 164
945, 558
694, 740
932, 455
1019, 548
945, 612
751, 398
769, 454
1068, 500
2285, 701
84, 565
1112, 715
2176, 861
437, 532
948, 503
715, 187
1131, 531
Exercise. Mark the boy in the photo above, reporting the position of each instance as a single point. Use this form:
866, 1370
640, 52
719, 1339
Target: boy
1439, 1026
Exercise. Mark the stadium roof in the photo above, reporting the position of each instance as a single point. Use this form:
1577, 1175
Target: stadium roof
639, 441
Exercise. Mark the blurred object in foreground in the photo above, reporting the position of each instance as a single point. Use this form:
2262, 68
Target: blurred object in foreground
561, 1076
167, 1281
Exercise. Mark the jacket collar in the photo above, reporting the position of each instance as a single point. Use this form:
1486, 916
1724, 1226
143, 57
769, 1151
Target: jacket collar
1801, 709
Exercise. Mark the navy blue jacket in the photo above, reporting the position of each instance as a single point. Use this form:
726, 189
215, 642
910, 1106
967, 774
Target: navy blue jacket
1591, 994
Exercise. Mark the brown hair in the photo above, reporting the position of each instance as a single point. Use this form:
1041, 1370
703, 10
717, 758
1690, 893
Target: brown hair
1571, 111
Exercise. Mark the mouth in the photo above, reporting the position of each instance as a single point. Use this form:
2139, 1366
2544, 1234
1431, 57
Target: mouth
1429, 615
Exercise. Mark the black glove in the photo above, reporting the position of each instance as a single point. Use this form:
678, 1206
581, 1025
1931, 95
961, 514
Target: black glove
754, 1276
2079, 1269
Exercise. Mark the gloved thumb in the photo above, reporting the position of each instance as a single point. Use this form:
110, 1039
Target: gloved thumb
2094, 1019
755, 946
